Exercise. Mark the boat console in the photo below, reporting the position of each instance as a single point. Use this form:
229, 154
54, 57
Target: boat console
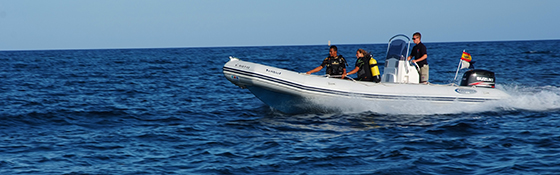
397, 68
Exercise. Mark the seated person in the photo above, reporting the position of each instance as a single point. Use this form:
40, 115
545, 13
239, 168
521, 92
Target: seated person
336, 64
366, 67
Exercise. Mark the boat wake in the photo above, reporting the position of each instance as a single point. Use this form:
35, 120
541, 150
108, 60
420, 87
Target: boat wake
545, 98
540, 98
405, 107
357, 115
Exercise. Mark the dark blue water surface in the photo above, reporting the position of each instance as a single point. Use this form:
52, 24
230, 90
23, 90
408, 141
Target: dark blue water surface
171, 111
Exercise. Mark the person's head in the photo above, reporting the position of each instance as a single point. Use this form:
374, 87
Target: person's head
333, 51
416, 37
361, 53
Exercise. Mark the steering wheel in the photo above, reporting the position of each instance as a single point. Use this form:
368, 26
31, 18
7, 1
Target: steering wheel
415, 65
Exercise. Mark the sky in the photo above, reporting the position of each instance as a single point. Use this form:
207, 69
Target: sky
106, 24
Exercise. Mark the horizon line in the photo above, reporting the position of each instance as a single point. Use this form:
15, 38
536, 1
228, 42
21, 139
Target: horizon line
279, 45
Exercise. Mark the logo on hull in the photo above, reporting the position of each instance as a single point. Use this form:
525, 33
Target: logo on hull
465, 91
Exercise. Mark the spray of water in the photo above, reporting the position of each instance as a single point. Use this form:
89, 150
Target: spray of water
545, 98
540, 98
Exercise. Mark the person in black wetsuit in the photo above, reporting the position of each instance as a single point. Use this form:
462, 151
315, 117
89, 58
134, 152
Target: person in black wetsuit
366, 67
420, 57
335, 64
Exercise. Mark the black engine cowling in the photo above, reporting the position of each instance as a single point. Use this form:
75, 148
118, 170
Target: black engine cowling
479, 78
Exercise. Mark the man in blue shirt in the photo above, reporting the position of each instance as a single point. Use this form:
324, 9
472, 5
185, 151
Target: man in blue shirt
420, 57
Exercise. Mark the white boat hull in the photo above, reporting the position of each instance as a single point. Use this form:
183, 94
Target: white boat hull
292, 92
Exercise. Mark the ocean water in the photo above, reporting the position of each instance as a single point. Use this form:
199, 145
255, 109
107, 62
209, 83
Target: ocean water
171, 111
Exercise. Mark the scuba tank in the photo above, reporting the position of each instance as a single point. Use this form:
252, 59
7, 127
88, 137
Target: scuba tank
373, 66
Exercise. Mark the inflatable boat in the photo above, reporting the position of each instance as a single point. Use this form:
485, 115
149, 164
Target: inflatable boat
293, 92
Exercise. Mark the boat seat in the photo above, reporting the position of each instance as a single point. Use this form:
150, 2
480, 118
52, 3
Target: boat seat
389, 78
390, 71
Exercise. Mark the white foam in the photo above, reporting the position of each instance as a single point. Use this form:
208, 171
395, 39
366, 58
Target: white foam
405, 106
522, 98
540, 98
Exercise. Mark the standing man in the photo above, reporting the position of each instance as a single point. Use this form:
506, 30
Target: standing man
336, 64
420, 57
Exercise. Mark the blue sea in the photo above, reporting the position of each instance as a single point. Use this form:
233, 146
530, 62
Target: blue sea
171, 111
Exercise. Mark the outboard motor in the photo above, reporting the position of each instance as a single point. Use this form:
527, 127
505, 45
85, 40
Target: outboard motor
479, 78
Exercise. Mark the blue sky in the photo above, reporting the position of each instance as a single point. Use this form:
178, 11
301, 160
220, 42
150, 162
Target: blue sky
95, 24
